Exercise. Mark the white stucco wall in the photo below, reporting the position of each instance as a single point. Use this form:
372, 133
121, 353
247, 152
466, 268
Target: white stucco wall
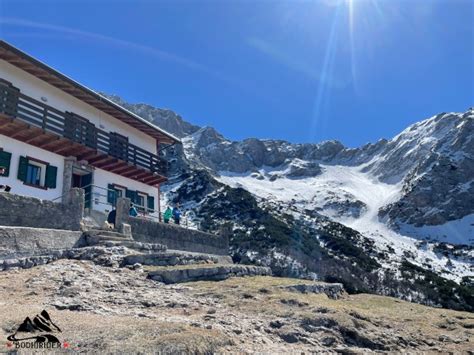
36, 88
18, 149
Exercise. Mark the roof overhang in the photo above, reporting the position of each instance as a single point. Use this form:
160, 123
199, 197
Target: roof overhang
44, 72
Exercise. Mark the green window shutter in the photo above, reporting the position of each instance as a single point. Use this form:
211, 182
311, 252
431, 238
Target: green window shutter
22, 168
5, 159
111, 194
151, 203
51, 176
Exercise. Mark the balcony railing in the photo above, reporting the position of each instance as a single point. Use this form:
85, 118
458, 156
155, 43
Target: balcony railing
75, 128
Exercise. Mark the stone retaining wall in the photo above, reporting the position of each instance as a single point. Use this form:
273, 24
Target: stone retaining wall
25, 211
24, 241
179, 238
174, 237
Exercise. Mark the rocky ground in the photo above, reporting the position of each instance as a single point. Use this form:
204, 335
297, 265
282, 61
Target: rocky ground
110, 309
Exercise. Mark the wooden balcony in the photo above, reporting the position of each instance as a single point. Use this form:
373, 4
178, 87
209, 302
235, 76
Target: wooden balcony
66, 133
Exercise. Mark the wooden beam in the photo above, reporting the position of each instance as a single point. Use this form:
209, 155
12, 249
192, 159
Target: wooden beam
46, 143
110, 164
124, 169
81, 150
33, 137
137, 175
64, 149
151, 178
153, 182
12, 129
119, 166
131, 173
99, 159
87, 156
142, 175
7, 122
18, 133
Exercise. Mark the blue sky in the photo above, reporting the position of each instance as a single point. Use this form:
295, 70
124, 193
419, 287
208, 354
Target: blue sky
302, 71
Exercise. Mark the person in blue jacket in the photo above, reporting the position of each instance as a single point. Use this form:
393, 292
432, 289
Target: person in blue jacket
133, 211
176, 214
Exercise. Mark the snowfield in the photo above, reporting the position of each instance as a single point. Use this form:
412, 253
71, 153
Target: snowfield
344, 186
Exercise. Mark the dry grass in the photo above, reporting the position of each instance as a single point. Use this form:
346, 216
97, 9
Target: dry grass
262, 295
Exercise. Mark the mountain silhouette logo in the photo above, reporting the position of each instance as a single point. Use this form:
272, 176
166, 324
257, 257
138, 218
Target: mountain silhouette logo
36, 333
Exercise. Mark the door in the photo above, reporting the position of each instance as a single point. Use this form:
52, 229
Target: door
84, 181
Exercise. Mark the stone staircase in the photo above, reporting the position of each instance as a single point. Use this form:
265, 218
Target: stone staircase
110, 238
172, 266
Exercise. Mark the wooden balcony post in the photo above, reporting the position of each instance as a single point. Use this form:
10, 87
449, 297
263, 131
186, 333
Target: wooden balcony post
45, 115
10, 103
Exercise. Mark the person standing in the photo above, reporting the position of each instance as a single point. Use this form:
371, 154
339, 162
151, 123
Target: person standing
167, 215
176, 214
133, 211
112, 216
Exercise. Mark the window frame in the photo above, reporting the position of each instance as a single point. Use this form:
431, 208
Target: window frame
42, 166
34, 172
122, 189
142, 208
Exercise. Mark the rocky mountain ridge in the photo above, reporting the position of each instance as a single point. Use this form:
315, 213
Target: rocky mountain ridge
320, 210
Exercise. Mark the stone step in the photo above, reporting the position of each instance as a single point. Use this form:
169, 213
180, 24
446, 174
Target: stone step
179, 274
169, 259
129, 243
107, 233
99, 239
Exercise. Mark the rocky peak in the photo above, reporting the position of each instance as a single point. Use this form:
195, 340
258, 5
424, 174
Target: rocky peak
447, 134
164, 118
205, 137
438, 154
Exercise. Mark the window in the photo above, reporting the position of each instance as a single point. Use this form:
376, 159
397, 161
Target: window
145, 202
140, 200
115, 191
120, 191
37, 173
34, 174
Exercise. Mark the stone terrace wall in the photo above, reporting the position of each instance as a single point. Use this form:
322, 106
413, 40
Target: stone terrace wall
175, 237
24, 211
25, 241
